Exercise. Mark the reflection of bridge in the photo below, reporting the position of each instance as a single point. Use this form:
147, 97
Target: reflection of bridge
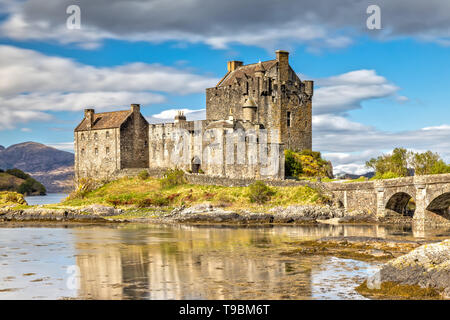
431, 195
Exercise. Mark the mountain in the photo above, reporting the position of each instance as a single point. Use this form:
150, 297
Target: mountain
50, 166
344, 175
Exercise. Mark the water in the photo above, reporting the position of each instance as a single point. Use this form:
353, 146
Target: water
50, 198
140, 261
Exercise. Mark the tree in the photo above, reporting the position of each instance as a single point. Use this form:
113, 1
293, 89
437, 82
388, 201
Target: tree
307, 163
293, 168
388, 166
395, 165
428, 163
31, 186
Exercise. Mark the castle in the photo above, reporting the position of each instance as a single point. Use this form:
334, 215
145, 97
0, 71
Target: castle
253, 114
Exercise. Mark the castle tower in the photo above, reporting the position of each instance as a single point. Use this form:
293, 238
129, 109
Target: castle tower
249, 110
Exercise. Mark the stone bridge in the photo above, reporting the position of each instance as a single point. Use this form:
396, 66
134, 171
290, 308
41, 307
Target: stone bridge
430, 193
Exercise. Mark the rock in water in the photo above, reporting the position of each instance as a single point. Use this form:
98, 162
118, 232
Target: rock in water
427, 266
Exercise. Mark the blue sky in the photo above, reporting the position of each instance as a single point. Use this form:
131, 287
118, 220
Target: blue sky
375, 89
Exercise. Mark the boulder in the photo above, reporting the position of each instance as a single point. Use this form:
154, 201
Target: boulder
100, 210
427, 266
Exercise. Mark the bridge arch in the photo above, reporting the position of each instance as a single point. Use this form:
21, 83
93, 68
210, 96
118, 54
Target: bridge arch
402, 203
441, 205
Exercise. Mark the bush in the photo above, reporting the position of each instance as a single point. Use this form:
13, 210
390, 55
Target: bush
259, 192
31, 186
306, 163
144, 175
11, 197
172, 178
18, 173
85, 185
293, 168
157, 200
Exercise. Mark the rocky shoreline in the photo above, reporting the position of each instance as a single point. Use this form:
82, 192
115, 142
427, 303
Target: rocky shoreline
422, 273
414, 269
203, 213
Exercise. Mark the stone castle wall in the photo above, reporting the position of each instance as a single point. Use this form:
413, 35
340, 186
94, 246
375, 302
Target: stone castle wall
134, 140
195, 147
97, 152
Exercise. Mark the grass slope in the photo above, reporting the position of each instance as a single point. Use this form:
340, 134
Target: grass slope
137, 193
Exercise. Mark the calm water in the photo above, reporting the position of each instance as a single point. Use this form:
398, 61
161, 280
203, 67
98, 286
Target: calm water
50, 198
139, 261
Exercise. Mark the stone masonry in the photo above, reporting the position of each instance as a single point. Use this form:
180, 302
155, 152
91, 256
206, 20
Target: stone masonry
253, 114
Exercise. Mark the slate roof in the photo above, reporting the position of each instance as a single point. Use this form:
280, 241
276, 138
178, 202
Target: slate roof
245, 72
105, 120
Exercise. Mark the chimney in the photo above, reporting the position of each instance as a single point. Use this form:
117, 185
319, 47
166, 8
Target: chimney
89, 116
283, 65
309, 87
180, 117
233, 65
136, 108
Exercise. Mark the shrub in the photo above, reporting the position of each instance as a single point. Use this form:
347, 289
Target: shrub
144, 203
259, 192
306, 163
293, 168
386, 175
31, 186
11, 197
144, 175
18, 173
85, 185
172, 178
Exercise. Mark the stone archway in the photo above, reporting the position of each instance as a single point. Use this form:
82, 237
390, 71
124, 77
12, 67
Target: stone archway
195, 164
402, 203
441, 205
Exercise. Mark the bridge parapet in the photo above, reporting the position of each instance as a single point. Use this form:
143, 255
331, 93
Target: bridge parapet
431, 194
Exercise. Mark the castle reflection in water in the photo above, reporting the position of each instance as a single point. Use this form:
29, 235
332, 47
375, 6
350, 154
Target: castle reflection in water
193, 262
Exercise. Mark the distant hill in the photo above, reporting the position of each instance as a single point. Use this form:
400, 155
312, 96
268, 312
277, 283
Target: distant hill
50, 166
355, 176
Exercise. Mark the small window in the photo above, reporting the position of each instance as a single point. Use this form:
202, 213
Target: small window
82, 152
82, 136
107, 150
96, 151
96, 136
288, 119
107, 134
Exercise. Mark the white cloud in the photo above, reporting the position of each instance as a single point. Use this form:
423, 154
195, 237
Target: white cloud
339, 94
169, 115
38, 83
263, 23
349, 149
66, 146
348, 144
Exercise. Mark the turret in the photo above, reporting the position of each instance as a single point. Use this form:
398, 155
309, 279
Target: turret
309, 87
249, 109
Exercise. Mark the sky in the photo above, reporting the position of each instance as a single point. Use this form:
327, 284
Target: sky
375, 89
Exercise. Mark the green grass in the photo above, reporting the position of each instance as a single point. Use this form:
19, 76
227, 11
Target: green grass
135, 193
